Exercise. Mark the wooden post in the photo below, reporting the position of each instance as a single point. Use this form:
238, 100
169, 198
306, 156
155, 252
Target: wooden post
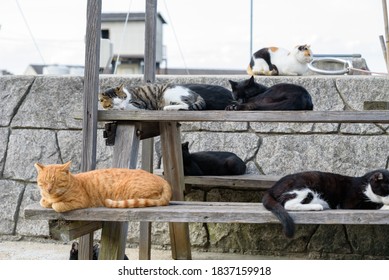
91, 87
147, 144
385, 10
383, 48
125, 155
174, 174
150, 40
179, 232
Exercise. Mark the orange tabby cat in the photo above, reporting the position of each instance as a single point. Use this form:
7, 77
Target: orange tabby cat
114, 187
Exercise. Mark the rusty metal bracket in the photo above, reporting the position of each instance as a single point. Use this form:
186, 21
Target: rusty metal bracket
110, 133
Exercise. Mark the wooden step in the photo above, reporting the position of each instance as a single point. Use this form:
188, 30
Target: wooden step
237, 182
209, 212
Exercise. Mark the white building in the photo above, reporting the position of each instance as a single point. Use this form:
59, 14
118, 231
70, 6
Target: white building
129, 42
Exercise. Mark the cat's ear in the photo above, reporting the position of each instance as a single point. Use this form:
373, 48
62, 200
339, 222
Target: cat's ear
120, 88
185, 148
66, 166
185, 145
233, 84
378, 176
251, 81
39, 167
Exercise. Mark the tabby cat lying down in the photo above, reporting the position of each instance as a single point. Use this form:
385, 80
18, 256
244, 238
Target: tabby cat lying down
167, 97
114, 187
316, 191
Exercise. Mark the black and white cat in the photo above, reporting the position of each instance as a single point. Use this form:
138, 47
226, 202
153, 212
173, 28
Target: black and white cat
278, 61
215, 97
250, 95
216, 163
316, 191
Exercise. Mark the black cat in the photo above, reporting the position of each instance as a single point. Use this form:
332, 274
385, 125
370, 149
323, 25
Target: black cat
250, 96
215, 97
95, 256
316, 191
211, 163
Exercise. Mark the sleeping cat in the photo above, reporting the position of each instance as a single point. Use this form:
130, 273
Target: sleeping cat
215, 97
114, 187
250, 95
216, 163
166, 97
316, 191
277, 61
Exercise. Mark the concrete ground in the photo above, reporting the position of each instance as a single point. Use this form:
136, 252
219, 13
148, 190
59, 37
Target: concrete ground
47, 250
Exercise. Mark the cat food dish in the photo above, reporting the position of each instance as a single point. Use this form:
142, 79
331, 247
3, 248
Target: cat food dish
114, 188
275, 61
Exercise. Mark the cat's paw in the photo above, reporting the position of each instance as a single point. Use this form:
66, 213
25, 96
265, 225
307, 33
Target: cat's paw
385, 207
176, 108
274, 72
62, 207
44, 203
232, 107
316, 207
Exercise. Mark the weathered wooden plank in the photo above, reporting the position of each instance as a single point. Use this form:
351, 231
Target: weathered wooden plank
145, 227
126, 145
241, 182
174, 174
125, 154
150, 40
113, 240
248, 116
210, 212
70, 230
148, 130
90, 100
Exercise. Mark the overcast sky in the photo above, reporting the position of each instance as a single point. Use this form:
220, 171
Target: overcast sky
210, 33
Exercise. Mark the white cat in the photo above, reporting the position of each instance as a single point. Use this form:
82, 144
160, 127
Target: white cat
275, 61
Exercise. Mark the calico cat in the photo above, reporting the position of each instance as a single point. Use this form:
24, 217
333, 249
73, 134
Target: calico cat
250, 95
114, 187
316, 191
275, 61
166, 97
216, 163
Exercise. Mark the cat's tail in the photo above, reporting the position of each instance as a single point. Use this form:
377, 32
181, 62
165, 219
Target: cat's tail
198, 104
143, 202
271, 204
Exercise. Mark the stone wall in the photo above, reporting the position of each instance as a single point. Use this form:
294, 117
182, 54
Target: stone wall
37, 124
